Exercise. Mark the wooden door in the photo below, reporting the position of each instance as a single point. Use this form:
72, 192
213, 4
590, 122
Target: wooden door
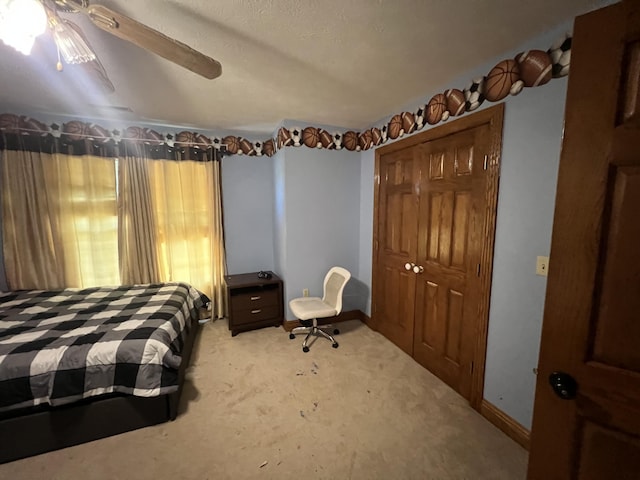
394, 298
400, 166
450, 223
591, 329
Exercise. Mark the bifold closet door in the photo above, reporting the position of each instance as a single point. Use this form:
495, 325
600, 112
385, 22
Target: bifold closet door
394, 295
450, 222
435, 203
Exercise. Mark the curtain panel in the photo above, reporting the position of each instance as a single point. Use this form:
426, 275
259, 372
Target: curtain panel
83, 213
59, 213
137, 232
188, 212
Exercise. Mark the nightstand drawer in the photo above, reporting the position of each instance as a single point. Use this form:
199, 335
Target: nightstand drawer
255, 314
254, 300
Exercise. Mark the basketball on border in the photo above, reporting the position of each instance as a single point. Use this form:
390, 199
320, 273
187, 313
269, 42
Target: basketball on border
500, 80
183, 139
232, 144
311, 138
395, 127
436, 108
350, 140
76, 130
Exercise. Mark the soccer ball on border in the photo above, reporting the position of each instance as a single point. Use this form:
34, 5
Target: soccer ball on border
419, 117
296, 136
560, 54
337, 141
474, 94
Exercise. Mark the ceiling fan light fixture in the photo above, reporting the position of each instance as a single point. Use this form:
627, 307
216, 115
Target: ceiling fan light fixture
21, 21
73, 47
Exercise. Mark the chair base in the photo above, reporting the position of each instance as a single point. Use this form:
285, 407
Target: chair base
316, 331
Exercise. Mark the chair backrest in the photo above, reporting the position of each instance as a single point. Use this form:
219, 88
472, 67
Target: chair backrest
334, 283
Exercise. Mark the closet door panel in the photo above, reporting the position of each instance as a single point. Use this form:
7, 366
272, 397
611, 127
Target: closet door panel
444, 322
394, 285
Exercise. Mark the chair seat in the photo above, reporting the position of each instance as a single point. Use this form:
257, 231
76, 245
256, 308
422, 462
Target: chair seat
307, 308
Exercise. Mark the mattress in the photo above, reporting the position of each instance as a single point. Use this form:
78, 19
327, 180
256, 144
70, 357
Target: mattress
57, 347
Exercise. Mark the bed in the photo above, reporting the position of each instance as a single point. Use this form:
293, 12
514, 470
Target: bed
81, 364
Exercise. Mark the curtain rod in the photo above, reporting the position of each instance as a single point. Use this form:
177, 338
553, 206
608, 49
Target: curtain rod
146, 141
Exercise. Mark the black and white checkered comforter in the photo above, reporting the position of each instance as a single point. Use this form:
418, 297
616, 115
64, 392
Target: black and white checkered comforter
60, 346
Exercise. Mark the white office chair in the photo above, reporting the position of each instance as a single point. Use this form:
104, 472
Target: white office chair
309, 309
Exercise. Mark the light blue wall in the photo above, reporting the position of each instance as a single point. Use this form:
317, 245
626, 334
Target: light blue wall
530, 156
532, 139
247, 196
367, 171
297, 214
321, 211
279, 244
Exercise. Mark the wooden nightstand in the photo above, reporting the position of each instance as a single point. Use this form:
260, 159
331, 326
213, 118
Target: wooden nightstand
254, 302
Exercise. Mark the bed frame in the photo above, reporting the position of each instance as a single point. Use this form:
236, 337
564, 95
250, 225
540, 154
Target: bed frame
35, 430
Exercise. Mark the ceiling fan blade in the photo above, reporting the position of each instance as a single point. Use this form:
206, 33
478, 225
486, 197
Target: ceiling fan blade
145, 37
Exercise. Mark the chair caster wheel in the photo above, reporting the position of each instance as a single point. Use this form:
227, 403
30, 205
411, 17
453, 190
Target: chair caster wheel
305, 349
336, 331
335, 345
292, 336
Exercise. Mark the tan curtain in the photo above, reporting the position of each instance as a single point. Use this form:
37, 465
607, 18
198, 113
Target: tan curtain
61, 232
31, 241
137, 226
186, 196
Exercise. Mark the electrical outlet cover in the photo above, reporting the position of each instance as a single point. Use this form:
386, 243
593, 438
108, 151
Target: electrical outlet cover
542, 266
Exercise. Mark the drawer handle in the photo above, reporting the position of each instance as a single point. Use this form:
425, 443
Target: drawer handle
256, 311
255, 298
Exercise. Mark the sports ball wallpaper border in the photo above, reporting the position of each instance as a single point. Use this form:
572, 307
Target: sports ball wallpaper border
528, 69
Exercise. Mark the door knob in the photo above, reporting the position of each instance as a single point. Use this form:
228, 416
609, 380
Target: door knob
409, 266
418, 269
564, 385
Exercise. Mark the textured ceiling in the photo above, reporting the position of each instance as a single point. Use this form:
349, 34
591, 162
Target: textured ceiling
338, 62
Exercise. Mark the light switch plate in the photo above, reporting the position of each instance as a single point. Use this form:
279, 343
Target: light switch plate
542, 266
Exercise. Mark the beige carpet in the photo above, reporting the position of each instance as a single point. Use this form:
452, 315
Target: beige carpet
256, 406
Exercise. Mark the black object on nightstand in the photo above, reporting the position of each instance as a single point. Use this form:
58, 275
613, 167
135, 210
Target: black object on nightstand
254, 301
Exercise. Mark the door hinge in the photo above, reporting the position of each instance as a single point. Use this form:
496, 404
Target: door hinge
486, 161
478, 270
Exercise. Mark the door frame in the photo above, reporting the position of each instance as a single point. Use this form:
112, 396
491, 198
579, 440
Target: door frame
493, 117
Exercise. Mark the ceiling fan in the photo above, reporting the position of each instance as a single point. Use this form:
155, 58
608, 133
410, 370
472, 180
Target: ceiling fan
74, 46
